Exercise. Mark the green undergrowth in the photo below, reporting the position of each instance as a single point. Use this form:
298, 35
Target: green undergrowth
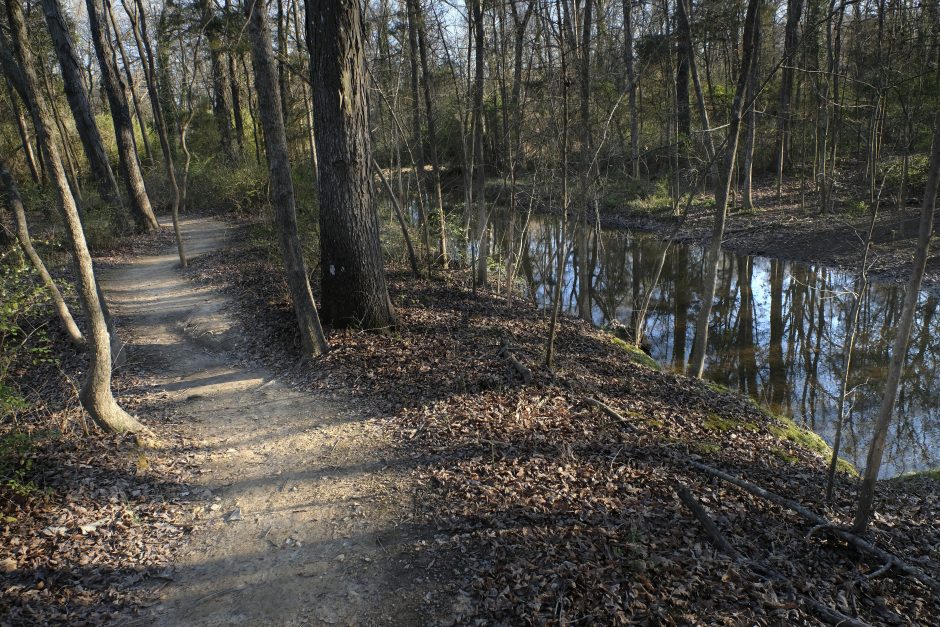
635, 354
931, 475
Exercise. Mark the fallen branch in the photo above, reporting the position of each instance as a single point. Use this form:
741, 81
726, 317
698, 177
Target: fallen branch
822, 610
593, 402
859, 543
520, 367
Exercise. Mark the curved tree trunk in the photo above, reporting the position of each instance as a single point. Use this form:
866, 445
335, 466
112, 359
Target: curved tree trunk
353, 275
26, 243
96, 396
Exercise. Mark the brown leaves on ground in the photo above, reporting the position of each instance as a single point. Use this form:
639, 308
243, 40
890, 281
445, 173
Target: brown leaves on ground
547, 511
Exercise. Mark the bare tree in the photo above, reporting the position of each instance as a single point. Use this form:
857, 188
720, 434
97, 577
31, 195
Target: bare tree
160, 121
723, 191
26, 243
352, 271
96, 395
81, 109
312, 339
901, 339
120, 116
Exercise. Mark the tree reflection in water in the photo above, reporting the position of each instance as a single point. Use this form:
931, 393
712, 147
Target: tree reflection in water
777, 330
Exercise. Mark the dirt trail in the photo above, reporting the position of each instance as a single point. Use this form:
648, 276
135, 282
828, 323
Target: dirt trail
303, 518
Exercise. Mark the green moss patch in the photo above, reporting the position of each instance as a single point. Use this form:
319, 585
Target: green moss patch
722, 424
635, 354
786, 429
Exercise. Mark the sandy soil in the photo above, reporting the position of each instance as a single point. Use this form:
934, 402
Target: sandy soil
305, 515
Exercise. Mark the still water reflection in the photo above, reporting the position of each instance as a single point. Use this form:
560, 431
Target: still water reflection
777, 330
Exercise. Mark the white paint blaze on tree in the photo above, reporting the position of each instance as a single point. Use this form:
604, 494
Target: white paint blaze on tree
353, 274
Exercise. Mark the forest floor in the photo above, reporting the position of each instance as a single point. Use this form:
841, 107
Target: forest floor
779, 227
546, 510
416, 478
267, 504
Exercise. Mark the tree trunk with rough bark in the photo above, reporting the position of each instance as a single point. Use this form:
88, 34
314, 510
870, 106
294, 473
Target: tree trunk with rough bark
352, 270
312, 339
121, 118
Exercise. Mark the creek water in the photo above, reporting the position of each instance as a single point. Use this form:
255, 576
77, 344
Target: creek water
777, 329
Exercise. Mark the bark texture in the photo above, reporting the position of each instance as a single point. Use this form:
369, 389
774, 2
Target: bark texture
282, 185
121, 117
352, 275
77, 98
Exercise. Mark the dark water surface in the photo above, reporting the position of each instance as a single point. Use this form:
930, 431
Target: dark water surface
777, 330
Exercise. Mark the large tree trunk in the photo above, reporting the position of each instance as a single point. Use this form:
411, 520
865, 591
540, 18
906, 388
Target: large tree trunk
353, 275
751, 42
96, 396
26, 243
121, 118
901, 339
221, 94
81, 108
282, 185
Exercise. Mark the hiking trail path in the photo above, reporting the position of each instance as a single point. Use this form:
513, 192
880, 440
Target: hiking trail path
301, 515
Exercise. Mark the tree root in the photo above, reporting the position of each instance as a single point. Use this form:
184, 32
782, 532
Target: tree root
822, 523
823, 611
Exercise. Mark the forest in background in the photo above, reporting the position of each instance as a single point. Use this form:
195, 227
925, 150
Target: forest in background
426, 137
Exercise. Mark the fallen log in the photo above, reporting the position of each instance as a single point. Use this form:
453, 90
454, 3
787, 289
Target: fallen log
520, 367
822, 610
593, 402
840, 532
